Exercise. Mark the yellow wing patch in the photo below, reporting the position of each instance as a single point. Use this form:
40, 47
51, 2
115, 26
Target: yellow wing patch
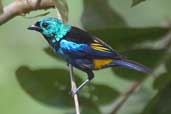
100, 63
99, 47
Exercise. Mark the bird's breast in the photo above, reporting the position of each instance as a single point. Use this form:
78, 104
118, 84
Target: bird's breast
61, 53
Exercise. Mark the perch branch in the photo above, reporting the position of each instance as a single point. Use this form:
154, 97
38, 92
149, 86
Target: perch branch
126, 96
73, 87
22, 7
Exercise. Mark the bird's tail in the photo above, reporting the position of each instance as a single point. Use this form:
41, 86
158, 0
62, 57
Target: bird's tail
132, 65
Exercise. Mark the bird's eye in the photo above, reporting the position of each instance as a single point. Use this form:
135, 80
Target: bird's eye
37, 24
45, 25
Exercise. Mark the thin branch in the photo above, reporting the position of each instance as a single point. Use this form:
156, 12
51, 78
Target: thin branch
22, 7
126, 96
74, 87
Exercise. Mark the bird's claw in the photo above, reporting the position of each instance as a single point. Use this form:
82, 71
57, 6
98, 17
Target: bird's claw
73, 92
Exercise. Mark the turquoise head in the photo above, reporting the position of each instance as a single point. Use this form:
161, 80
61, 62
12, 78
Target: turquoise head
51, 28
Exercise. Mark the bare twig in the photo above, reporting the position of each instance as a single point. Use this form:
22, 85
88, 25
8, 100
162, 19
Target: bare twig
73, 87
24, 6
40, 15
126, 96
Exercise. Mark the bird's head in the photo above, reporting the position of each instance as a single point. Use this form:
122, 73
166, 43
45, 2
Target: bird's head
51, 28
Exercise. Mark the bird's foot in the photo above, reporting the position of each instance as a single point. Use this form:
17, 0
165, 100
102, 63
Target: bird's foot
74, 91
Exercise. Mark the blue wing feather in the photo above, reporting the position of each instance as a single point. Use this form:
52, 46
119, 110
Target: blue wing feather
79, 36
75, 50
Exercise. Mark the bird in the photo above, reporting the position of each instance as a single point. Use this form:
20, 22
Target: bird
81, 49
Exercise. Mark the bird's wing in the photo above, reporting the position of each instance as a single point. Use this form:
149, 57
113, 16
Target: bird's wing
84, 45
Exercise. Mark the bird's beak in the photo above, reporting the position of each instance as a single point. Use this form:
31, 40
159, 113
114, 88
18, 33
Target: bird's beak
36, 28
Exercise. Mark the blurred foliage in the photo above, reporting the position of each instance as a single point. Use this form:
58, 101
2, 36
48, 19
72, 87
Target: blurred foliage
136, 2
62, 8
161, 81
96, 10
161, 102
52, 87
127, 38
1, 7
46, 85
27, 62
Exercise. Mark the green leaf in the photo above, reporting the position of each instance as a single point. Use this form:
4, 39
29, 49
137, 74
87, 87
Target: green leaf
147, 57
161, 81
99, 14
52, 87
165, 78
89, 107
100, 94
62, 7
137, 101
136, 2
168, 64
49, 86
161, 103
125, 38
1, 7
